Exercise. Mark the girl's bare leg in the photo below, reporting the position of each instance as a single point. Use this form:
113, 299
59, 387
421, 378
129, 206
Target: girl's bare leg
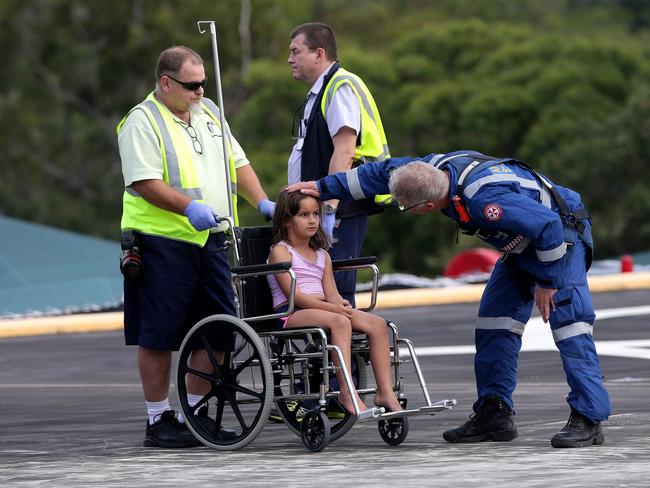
340, 329
375, 328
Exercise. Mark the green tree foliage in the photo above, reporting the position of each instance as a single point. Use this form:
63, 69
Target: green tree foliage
562, 84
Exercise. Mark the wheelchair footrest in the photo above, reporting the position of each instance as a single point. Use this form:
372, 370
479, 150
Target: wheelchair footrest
371, 414
438, 406
425, 410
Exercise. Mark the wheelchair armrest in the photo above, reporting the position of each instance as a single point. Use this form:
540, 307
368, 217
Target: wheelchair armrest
357, 263
260, 269
353, 262
239, 273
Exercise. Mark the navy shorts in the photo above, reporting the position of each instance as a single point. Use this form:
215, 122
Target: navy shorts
282, 322
182, 283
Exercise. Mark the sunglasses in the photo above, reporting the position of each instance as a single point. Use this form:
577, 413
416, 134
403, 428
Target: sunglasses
403, 208
190, 85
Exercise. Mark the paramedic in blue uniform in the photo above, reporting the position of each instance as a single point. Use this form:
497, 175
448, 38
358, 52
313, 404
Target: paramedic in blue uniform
339, 127
544, 232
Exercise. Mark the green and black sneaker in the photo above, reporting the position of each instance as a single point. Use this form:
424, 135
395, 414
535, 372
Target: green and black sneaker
275, 416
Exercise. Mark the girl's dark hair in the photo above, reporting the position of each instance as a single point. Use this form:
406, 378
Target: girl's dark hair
287, 206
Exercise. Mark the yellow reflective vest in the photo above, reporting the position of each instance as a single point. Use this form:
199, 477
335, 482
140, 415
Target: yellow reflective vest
179, 173
374, 146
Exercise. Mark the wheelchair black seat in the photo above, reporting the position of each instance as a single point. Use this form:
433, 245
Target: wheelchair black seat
254, 244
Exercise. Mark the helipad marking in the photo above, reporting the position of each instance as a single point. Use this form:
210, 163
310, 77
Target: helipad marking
538, 337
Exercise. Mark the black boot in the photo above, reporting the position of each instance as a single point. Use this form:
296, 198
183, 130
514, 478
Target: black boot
578, 432
492, 422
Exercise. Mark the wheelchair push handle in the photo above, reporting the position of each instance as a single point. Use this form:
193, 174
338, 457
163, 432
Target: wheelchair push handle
228, 220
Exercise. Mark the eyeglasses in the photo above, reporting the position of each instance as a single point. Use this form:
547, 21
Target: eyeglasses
298, 116
191, 131
403, 208
190, 85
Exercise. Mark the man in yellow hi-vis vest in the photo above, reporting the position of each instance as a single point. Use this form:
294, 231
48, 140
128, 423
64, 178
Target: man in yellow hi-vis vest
339, 128
175, 185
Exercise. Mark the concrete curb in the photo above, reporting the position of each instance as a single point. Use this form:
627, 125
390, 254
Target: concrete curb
64, 324
472, 293
112, 321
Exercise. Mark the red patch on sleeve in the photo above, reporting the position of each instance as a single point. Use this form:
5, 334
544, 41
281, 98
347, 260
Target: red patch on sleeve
492, 212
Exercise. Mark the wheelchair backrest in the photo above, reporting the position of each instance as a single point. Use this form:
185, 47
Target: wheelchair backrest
254, 245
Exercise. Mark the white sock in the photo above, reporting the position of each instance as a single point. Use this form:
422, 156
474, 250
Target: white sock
191, 400
156, 409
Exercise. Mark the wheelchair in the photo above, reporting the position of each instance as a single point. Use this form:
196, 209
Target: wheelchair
289, 368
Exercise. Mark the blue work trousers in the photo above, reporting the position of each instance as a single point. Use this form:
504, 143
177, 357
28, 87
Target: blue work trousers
348, 241
506, 307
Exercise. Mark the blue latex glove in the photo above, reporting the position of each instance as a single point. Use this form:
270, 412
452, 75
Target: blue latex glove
200, 216
266, 207
327, 223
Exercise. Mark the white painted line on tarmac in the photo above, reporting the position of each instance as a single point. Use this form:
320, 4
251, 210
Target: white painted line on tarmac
611, 313
70, 385
538, 337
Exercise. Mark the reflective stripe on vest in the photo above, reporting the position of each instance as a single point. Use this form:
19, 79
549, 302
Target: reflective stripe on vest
369, 132
171, 158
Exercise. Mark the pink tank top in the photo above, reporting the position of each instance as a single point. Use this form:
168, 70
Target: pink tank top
309, 275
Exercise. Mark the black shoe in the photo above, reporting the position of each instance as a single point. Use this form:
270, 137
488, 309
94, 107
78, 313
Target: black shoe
209, 425
578, 432
493, 422
169, 432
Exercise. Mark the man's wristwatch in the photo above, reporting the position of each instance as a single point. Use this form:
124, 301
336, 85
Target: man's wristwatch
329, 209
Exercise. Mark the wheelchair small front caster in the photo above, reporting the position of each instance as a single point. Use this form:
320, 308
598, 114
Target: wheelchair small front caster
394, 431
315, 430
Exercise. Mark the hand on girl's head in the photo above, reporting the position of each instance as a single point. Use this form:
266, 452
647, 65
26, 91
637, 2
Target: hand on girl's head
305, 187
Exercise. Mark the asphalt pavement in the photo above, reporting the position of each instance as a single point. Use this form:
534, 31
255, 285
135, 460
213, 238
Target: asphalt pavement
72, 414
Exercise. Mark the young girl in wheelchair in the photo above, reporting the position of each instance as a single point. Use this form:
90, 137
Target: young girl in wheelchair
298, 238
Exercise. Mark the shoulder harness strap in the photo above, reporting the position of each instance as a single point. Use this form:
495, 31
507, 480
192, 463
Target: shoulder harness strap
569, 218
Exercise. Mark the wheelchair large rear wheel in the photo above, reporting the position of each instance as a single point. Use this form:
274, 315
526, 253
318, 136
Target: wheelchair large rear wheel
237, 385
294, 411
